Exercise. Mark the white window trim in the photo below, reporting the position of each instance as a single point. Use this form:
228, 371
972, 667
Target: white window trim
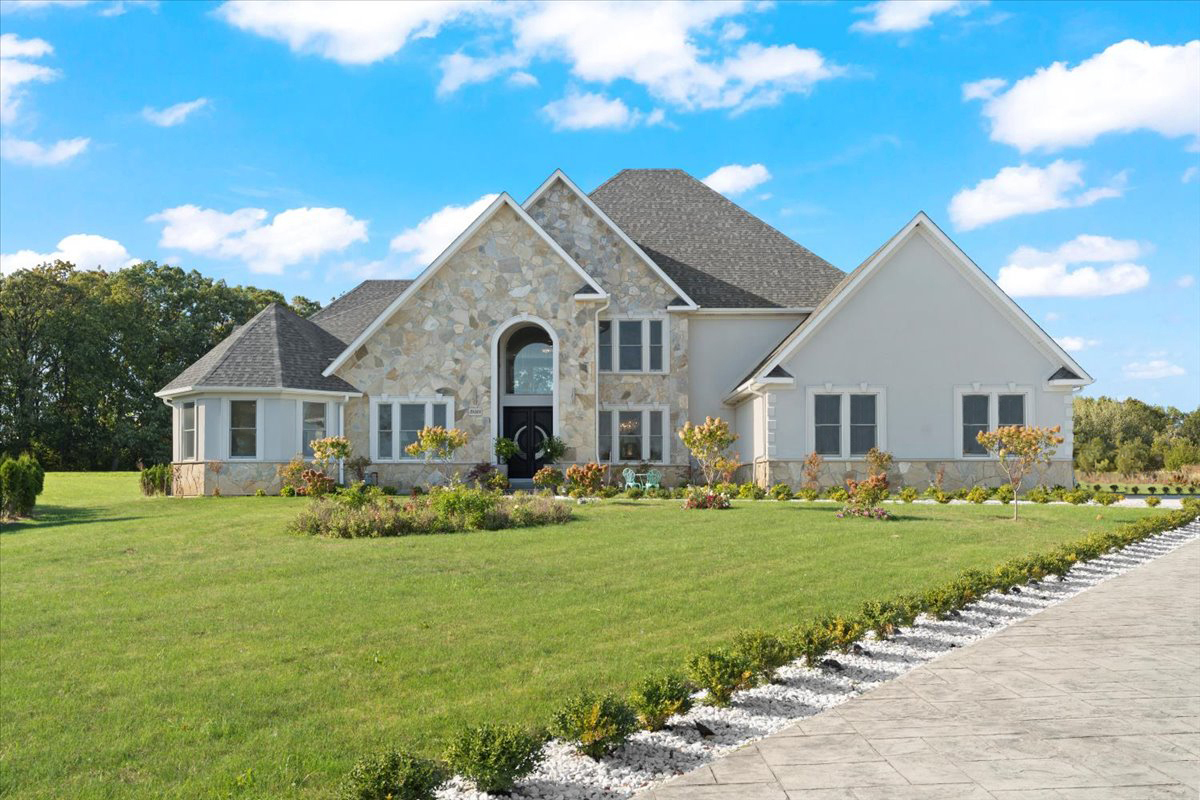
993, 392
398, 454
616, 344
810, 401
645, 409
195, 432
259, 432
330, 428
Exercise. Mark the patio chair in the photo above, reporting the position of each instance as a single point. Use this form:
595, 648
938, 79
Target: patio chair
653, 477
631, 479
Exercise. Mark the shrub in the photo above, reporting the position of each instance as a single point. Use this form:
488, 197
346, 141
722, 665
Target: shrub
867, 494
844, 632
156, 479
941, 497
504, 448
588, 478
549, 478
751, 491
808, 494
358, 466
495, 757
700, 497
657, 698
607, 492
721, 672
1039, 494
1151, 489
727, 488
595, 724
553, 449
764, 652
1077, 497
781, 492
660, 493
260, 492
879, 461
1005, 493
812, 641
443, 511
21, 480
837, 494
1152, 501
908, 494
635, 493
393, 775
316, 483
1106, 498
291, 475
709, 444
287, 491
812, 471
977, 495
882, 617
329, 450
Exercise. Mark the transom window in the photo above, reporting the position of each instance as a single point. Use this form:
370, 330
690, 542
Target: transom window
396, 423
243, 428
529, 362
633, 435
985, 410
846, 422
188, 430
313, 425
633, 345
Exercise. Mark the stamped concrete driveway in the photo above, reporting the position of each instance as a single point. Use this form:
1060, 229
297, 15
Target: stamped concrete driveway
1098, 697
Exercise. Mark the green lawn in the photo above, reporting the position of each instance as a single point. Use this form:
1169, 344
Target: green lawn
191, 648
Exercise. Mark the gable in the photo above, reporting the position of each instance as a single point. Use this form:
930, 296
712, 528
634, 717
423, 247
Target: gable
582, 229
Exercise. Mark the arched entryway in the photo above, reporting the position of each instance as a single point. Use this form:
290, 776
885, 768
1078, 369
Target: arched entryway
525, 384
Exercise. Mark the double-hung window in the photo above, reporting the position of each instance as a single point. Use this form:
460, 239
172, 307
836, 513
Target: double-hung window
312, 425
633, 435
243, 428
846, 423
396, 424
632, 345
984, 409
187, 425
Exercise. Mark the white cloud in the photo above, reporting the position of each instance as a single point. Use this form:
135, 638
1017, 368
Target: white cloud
983, 90
348, 31
292, 236
16, 70
586, 110
1053, 316
903, 16
1152, 370
1130, 86
1186, 281
733, 179
1190, 174
522, 79
1040, 273
12, 5
1073, 344
1027, 189
84, 250
173, 115
35, 154
426, 240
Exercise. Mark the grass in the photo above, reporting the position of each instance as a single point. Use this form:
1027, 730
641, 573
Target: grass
190, 648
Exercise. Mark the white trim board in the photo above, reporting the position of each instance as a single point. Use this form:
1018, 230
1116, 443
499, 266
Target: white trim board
595, 209
955, 256
503, 200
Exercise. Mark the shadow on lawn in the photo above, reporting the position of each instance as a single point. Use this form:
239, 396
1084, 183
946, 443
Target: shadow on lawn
57, 516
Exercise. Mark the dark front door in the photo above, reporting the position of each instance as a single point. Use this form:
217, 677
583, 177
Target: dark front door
529, 427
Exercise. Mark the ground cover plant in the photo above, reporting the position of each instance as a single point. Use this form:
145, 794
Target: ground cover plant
201, 633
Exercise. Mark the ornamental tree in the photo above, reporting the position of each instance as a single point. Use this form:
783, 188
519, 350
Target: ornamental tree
1019, 450
709, 444
435, 443
330, 449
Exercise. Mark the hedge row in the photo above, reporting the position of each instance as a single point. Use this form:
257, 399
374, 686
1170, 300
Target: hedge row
496, 757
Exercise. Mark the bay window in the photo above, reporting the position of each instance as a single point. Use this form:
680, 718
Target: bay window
633, 435
395, 424
243, 428
187, 424
632, 345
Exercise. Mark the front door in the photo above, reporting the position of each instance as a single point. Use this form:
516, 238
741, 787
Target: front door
529, 427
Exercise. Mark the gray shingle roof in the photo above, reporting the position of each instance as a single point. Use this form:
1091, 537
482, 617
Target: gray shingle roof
349, 315
720, 254
276, 349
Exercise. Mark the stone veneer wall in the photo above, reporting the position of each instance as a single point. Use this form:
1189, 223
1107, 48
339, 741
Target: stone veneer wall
918, 474
635, 290
195, 478
440, 342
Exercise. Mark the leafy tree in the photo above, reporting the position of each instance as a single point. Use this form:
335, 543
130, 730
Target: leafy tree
1019, 450
709, 444
1133, 456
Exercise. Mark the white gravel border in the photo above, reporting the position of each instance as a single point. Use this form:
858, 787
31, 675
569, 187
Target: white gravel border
649, 758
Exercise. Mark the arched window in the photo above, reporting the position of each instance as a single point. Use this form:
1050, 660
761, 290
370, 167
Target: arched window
529, 362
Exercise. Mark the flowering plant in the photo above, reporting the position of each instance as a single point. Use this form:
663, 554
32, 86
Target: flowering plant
588, 478
869, 513
437, 443
703, 497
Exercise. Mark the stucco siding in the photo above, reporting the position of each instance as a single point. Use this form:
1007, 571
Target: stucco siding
721, 350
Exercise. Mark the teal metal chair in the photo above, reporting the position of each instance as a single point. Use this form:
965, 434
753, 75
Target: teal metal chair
631, 479
653, 479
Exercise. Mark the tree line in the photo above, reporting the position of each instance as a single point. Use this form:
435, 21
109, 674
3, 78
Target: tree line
82, 353
1129, 436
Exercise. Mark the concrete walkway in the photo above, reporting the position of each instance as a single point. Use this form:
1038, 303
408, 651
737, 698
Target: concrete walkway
1098, 697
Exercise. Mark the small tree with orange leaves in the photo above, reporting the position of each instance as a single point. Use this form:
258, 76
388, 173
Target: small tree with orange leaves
709, 443
1019, 450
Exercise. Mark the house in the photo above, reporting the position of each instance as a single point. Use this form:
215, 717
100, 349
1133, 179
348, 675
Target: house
611, 318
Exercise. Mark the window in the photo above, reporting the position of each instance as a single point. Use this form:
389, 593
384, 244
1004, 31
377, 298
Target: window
1012, 410
639, 435
313, 425
188, 431
529, 362
243, 428
974, 422
396, 423
629, 358
827, 411
847, 421
605, 346
862, 423
640, 345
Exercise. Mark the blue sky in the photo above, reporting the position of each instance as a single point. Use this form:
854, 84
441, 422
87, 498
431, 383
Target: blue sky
303, 148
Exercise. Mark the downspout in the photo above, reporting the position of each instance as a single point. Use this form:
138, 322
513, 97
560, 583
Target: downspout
342, 432
766, 429
596, 424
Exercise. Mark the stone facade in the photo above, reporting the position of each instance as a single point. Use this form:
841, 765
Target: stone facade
231, 478
960, 474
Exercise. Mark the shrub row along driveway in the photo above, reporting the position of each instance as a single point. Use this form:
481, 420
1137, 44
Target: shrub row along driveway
190, 647
1095, 698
